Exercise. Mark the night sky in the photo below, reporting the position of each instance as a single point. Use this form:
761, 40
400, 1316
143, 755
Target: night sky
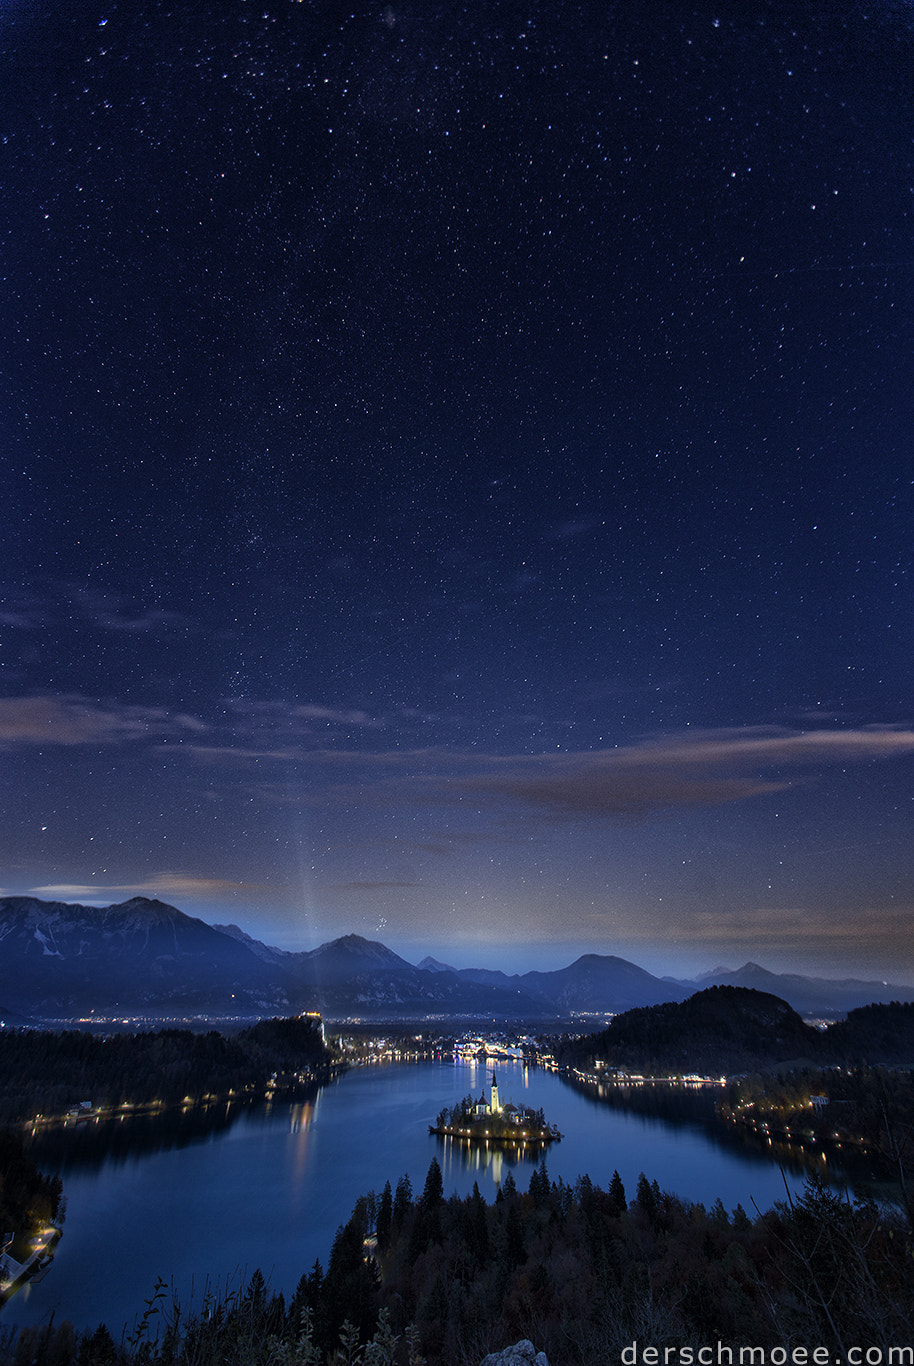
457, 474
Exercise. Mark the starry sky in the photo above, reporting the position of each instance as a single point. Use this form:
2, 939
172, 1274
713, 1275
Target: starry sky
457, 474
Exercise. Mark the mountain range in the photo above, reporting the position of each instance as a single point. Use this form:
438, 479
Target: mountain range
60, 960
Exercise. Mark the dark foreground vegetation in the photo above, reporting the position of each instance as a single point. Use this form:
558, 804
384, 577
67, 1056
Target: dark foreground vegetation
28, 1198
49, 1073
580, 1271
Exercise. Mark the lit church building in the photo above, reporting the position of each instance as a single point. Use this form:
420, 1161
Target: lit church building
489, 1107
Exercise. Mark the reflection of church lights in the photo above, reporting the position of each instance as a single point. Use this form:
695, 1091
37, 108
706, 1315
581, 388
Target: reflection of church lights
301, 1118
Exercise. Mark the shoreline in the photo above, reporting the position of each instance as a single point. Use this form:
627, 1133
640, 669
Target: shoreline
250, 1094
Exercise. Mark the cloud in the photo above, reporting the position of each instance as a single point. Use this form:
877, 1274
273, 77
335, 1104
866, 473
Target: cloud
333, 758
707, 768
334, 716
446, 843
285, 755
597, 790
109, 611
290, 716
154, 619
76, 720
183, 885
255, 730
359, 886
791, 927
20, 620
770, 745
574, 526
61, 602
693, 769
24, 610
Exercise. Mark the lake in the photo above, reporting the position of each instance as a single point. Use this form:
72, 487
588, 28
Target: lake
204, 1198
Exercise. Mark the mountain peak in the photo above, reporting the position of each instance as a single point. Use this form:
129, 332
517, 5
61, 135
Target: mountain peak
430, 964
351, 955
357, 943
148, 905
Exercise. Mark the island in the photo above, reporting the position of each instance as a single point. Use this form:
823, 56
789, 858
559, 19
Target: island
488, 1121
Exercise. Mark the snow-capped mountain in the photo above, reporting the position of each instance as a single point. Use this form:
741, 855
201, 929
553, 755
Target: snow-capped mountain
143, 957
61, 959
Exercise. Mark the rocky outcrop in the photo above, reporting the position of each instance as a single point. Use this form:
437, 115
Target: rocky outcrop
523, 1353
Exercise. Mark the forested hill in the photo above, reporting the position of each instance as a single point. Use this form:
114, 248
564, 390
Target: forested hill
737, 1029
880, 1033
721, 1029
50, 1072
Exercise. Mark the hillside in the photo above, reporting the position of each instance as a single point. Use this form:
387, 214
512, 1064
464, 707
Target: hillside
718, 1030
878, 1033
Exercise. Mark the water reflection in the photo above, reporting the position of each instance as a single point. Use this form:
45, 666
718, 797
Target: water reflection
694, 1108
490, 1157
301, 1118
99, 1142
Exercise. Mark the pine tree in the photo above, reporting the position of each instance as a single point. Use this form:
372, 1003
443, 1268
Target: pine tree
646, 1198
479, 1226
515, 1251
539, 1182
434, 1186
385, 1215
403, 1200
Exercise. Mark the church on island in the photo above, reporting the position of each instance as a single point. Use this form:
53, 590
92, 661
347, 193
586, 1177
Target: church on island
490, 1107
488, 1121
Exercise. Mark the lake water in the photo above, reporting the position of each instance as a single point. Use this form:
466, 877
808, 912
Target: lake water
205, 1198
